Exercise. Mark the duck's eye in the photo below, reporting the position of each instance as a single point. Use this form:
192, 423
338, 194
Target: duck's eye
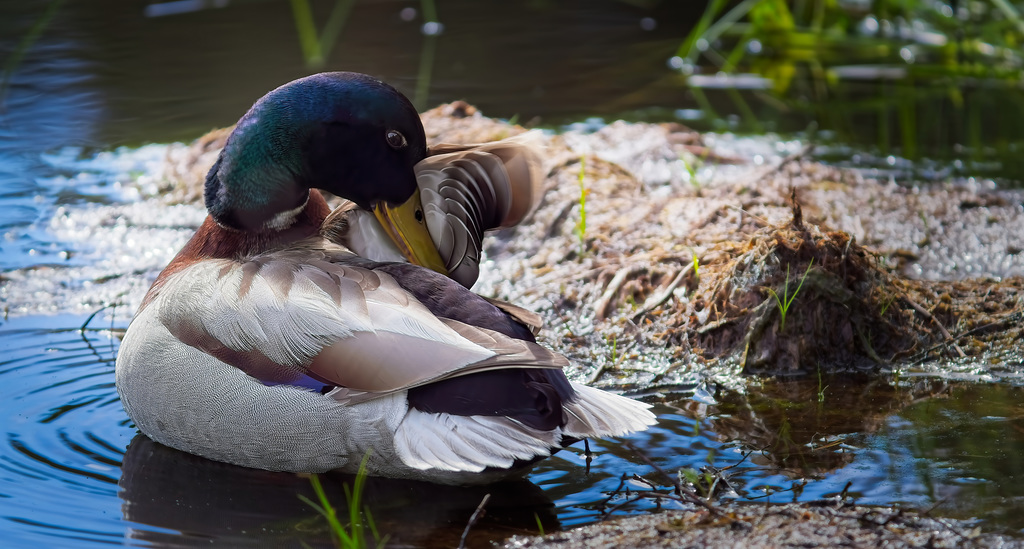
419, 216
396, 139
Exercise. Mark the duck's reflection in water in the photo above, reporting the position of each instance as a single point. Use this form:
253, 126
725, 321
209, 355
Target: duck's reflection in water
177, 499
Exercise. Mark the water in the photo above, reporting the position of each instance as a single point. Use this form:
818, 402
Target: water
75, 208
74, 472
102, 74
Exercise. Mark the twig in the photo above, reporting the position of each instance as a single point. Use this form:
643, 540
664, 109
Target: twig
924, 312
717, 324
477, 514
605, 367
668, 370
798, 212
656, 301
605, 301
932, 508
618, 506
597, 374
1011, 317
762, 220
93, 315
615, 492
685, 493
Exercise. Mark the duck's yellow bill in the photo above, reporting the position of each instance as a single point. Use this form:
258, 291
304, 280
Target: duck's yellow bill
409, 233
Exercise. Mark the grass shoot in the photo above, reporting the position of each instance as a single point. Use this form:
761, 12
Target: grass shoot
821, 387
696, 269
352, 535
581, 224
786, 300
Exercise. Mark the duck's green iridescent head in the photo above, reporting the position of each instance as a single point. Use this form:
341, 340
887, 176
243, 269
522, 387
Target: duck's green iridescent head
346, 133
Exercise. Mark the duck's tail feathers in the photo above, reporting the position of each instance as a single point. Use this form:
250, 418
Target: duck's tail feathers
468, 443
596, 413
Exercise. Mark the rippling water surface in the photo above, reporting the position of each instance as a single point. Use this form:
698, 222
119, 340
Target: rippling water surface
75, 473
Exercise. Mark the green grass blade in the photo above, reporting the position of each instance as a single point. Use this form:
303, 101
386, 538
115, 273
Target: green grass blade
30, 38
335, 23
686, 49
302, 13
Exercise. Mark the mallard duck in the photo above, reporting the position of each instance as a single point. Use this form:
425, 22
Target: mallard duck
267, 345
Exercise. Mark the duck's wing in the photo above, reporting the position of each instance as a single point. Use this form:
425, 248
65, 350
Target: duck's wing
531, 320
287, 316
466, 190
475, 397
512, 187
478, 188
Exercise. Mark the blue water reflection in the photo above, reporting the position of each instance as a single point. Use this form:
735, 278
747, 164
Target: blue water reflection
74, 473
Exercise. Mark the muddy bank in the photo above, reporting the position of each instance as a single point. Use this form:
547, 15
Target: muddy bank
826, 524
691, 256
668, 266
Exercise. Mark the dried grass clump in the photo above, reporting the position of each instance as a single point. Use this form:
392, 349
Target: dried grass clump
842, 315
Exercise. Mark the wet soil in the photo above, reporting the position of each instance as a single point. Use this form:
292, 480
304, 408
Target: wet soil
826, 524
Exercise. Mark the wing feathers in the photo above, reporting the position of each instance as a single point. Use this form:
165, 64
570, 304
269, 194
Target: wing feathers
385, 362
290, 314
468, 443
466, 191
533, 321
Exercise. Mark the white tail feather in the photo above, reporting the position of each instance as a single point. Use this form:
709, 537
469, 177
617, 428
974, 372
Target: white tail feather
596, 413
468, 443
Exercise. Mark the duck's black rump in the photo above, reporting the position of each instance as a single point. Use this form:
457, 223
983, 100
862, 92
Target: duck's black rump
530, 395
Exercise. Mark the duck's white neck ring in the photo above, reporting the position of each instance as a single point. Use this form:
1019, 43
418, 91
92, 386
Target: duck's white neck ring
285, 219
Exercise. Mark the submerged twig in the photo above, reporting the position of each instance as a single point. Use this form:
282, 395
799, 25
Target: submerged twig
682, 492
477, 515
85, 324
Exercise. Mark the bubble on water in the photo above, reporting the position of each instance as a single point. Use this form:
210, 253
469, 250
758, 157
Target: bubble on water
432, 28
689, 114
869, 25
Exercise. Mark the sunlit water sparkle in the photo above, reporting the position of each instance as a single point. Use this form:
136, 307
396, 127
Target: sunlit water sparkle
73, 471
